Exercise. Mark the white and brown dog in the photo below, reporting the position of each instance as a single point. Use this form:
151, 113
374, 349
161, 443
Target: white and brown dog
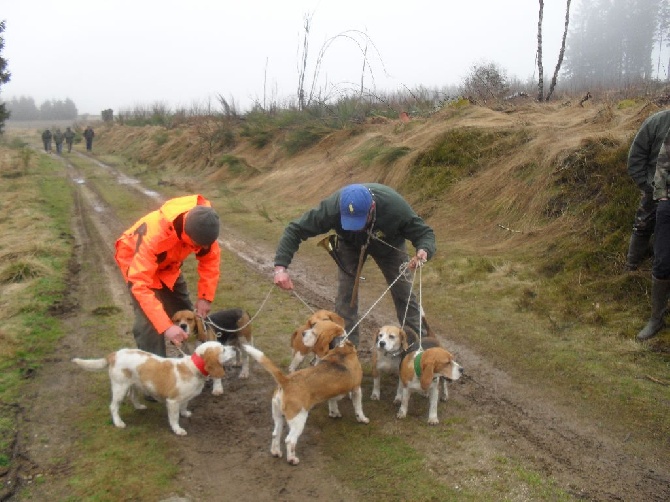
299, 349
422, 371
228, 326
390, 346
338, 373
175, 380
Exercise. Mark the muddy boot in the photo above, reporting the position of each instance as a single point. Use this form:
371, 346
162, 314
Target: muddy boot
638, 250
659, 304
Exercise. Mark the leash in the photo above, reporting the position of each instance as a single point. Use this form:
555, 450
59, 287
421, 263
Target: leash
403, 267
208, 321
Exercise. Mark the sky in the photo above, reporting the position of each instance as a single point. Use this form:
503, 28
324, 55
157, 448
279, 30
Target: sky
121, 54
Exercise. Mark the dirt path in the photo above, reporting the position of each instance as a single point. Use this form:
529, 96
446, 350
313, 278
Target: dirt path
227, 449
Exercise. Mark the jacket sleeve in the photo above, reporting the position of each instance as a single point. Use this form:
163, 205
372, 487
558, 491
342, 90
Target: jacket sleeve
141, 272
638, 156
321, 219
662, 170
209, 272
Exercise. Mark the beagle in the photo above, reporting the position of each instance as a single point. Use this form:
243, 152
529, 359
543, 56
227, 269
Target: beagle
421, 371
391, 344
228, 326
299, 349
175, 380
338, 373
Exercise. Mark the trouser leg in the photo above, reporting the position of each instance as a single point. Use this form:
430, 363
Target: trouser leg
404, 300
643, 228
349, 256
146, 336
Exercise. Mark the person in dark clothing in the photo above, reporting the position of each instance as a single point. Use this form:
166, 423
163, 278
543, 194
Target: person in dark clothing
69, 139
58, 139
642, 158
46, 140
88, 136
660, 272
369, 220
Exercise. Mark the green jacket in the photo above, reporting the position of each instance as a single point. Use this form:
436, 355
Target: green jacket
644, 150
395, 222
662, 170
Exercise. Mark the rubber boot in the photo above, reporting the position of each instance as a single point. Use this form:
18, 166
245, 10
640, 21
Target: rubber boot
638, 249
660, 290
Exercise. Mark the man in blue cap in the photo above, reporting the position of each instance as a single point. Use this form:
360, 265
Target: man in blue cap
369, 219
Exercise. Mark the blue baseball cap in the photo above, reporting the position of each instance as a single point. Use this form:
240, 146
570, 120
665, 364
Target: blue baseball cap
355, 203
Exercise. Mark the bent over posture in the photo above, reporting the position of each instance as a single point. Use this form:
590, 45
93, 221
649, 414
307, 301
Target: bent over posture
150, 255
369, 219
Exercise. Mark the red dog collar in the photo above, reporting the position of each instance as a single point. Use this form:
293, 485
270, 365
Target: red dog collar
199, 363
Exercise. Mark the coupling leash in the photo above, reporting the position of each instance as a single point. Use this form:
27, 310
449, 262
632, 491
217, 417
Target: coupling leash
208, 321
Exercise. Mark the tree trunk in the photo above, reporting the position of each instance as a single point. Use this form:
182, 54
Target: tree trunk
540, 82
560, 55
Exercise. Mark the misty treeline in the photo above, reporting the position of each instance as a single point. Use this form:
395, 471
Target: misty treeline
616, 43
24, 108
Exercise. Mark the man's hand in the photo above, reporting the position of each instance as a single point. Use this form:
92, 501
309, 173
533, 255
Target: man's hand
202, 307
282, 279
418, 260
175, 334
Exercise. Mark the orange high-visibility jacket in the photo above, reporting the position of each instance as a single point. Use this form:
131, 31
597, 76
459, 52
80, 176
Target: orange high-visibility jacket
151, 252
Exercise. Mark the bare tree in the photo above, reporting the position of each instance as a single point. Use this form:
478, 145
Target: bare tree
540, 67
302, 70
561, 53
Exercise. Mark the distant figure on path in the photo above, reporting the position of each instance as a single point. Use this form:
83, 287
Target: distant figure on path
58, 139
641, 168
46, 139
88, 135
69, 138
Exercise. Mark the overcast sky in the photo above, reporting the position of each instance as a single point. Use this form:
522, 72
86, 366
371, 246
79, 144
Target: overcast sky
122, 53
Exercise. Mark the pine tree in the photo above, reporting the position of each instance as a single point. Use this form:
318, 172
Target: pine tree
4, 77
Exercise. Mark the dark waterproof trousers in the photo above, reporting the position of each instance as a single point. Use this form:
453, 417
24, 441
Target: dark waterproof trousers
404, 301
661, 267
146, 336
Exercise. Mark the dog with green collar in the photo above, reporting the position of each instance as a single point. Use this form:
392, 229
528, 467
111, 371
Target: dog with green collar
421, 370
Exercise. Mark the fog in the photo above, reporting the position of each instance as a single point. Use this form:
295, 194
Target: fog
120, 54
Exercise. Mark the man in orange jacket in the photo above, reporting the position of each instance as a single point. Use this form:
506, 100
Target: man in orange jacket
150, 255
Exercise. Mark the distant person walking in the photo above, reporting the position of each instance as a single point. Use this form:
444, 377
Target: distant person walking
46, 139
642, 158
69, 139
58, 139
88, 136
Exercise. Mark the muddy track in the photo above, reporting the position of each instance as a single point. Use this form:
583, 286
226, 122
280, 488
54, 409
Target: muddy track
503, 415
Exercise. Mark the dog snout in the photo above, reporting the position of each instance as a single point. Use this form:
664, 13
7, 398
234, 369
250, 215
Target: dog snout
184, 326
382, 344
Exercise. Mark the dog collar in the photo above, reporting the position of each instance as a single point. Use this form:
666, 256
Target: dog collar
199, 363
417, 364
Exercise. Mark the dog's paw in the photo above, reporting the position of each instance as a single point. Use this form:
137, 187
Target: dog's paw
120, 424
374, 396
179, 431
185, 413
397, 400
334, 414
433, 421
293, 460
362, 419
244, 374
401, 414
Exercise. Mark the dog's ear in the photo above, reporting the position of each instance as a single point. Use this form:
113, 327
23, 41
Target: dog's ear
427, 369
212, 365
403, 339
337, 319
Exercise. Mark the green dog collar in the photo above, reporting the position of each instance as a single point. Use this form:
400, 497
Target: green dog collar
417, 363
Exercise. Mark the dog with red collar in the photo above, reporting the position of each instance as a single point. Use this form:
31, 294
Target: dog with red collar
173, 380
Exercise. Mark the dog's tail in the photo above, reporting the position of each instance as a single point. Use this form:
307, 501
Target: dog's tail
91, 364
269, 366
